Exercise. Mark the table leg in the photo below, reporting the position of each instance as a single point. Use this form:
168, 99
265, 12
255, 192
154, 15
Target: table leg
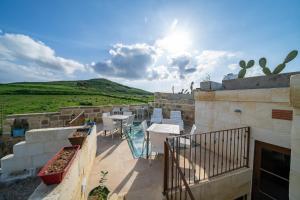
121, 128
147, 150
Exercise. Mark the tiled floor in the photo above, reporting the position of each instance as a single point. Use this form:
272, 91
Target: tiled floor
134, 178
141, 178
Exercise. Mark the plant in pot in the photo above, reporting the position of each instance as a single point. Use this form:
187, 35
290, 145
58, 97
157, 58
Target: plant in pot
78, 136
100, 192
19, 127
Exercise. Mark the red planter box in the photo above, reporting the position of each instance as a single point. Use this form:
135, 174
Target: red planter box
57, 177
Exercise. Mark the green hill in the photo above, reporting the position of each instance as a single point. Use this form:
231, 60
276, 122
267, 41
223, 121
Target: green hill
26, 97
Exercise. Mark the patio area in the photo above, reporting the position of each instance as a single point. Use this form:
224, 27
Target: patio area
127, 177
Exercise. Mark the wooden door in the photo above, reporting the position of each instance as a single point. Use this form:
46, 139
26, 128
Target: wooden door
270, 172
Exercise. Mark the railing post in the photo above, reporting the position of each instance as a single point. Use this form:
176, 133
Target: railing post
147, 142
166, 167
248, 145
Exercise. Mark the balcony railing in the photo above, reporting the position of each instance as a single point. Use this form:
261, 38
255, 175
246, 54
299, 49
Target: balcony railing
190, 159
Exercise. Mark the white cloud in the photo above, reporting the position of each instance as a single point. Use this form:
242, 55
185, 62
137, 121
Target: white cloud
128, 61
26, 55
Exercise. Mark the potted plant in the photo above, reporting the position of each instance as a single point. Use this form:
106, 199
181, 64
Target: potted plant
19, 127
56, 168
100, 192
78, 136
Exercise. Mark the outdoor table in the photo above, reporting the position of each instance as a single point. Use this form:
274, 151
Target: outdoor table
119, 118
162, 129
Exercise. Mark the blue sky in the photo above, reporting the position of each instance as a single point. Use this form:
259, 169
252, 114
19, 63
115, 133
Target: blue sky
147, 44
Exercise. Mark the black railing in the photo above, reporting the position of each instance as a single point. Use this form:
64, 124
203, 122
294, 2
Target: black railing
174, 177
202, 156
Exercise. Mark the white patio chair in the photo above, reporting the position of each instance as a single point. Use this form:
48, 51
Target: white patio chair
109, 125
116, 111
186, 142
156, 116
127, 113
125, 109
175, 122
175, 116
106, 114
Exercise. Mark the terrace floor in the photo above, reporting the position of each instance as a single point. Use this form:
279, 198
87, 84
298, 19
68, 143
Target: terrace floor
141, 178
129, 177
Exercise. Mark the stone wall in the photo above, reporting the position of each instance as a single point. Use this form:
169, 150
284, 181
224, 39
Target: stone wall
217, 111
294, 192
73, 185
225, 187
39, 146
183, 102
61, 118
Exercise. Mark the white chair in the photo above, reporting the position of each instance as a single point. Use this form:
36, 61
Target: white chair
109, 125
106, 114
127, 113
175, 117
140, 113
186, 142
156, 116
125, 109
116, 111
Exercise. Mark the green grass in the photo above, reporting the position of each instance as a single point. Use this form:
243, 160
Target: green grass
50, 96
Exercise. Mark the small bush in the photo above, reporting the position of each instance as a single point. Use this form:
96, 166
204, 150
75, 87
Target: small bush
85, 103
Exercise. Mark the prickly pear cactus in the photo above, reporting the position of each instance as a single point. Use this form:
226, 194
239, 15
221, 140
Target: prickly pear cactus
244, 67
263, 63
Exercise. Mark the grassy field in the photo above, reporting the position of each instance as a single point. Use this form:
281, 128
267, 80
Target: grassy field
50, 96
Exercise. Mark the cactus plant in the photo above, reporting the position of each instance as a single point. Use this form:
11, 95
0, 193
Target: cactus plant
244, 67
263, 63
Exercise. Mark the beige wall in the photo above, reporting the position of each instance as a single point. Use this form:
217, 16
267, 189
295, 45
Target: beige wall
73, 185
226, 187
294, 192
216, 111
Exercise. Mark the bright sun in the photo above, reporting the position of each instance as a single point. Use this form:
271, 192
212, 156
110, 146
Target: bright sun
176, 41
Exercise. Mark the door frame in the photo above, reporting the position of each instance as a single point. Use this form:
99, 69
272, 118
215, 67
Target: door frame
258, 145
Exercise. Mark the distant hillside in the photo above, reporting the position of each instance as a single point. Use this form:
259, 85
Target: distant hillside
30, 97
82, 87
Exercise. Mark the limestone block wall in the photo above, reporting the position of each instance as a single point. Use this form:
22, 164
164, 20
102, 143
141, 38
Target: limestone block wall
39, 146
218, 110
73, 185
183, 102
226, 187
294, 192
61, 118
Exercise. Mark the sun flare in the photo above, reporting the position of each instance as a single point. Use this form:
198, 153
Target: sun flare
176, 41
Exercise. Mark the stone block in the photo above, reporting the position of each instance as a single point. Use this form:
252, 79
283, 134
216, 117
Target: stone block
19, 149
10, 163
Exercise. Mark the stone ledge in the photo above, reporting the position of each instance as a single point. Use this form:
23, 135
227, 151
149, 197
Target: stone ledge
269, 95
295, 90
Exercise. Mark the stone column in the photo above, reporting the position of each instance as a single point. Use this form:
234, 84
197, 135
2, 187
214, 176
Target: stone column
294, 192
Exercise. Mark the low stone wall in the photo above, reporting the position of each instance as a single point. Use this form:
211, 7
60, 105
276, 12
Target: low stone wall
225, 187
63, 117
73, 185
183, 102
39, 146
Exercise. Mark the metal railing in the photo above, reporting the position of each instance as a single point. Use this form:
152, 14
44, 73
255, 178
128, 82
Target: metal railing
202, 156
174, 177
